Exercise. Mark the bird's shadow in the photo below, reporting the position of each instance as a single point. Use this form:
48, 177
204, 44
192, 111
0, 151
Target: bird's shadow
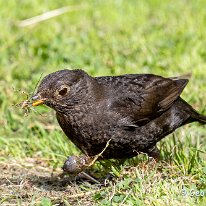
49, 180
61, 182
51, 183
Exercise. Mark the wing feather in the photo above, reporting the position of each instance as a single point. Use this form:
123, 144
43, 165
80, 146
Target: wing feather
142, 98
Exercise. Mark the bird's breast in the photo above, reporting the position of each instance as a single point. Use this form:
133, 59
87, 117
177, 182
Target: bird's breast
84, 127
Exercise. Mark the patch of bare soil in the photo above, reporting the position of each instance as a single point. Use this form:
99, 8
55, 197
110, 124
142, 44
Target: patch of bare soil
27, 181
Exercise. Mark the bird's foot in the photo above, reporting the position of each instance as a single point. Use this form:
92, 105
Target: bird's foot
153, 156
153, 153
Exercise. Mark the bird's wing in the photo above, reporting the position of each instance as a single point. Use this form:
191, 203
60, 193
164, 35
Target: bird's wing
146, 97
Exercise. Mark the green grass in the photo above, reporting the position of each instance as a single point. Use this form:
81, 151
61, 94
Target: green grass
103, 38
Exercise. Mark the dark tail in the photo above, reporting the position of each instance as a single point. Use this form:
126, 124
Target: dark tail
194, 115
200, 118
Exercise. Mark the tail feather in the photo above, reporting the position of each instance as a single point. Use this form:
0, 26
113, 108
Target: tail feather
200, 118
194, 115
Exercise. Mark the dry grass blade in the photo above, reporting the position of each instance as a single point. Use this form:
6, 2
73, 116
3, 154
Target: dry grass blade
27, 105
48, 15
93, 161
97, 156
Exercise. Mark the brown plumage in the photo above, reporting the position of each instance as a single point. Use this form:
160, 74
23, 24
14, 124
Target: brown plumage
135, 111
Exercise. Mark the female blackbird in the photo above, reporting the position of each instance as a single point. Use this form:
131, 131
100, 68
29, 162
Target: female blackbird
132, 112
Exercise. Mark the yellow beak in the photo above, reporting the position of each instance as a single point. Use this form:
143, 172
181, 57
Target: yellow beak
37, 103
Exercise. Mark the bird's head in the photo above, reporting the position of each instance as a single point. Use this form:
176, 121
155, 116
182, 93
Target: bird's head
64, 88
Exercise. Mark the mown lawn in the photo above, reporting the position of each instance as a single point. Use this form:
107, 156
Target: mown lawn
103, 38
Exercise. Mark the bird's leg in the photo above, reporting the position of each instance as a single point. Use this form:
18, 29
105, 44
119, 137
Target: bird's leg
121, 161
154, 153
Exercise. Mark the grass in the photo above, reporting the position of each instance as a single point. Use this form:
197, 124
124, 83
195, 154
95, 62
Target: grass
103, 38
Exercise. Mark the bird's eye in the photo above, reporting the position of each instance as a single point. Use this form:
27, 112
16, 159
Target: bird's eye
63, 91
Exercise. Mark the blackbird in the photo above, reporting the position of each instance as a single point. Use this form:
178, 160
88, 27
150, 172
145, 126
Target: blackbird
132, 112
